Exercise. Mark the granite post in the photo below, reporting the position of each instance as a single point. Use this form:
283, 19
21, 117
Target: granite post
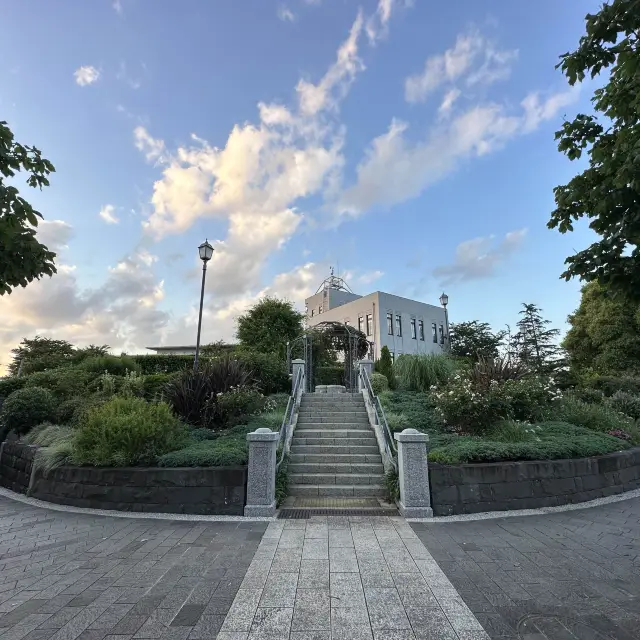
297, 365
413, 474
261, 474
367, 365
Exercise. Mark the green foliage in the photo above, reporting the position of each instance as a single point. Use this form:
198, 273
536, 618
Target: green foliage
126, 431
535, 345
154, 385
475, 340
553, 441
379, 383
607, 192
56, 445
590, 416
626, 403
22, 257
25, 408
397, 421
10, 384
115, 365
487, 371
269, 325
38, 354
330, 374
155, 364
268, 370
410, 410
238, 403
67, 409
513, 431
392, 484
63, 382
46, 434
384, 366
588, 395
282, 481
610, 384
604, 336
422, 372
132, 384
88, 352
278, 400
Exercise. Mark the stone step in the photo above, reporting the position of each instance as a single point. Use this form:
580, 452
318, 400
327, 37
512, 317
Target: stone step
338, 491
334, 426
342, 479
334, 458
325, 399
347, 442
346, 447
370, 468
334, 433
331, 420
331, 413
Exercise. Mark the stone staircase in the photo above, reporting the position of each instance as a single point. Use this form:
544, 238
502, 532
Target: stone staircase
334, 452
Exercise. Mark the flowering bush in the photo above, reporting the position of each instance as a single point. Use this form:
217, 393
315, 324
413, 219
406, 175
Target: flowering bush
237, 403
132, 384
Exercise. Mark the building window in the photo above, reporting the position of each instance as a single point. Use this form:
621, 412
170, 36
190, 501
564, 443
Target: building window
434, 332
390, 324
312, 310
360, 323
441, 334
413, 328
393, 356
347, 322
369, 325
399, 326
320, 309
421, 329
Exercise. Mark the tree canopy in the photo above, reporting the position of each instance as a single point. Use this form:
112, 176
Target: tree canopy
605, 333
608, 191
474, 340
535, 344
269, 325
22, 257
37, 354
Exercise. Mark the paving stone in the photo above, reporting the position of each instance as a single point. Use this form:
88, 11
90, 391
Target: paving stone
207, 627
271, 623
279, 590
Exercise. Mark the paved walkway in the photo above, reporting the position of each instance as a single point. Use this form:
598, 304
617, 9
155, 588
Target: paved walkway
565, 576
346, 579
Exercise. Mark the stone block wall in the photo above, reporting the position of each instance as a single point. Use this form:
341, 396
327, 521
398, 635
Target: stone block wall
213, 491
502, 486
16, 463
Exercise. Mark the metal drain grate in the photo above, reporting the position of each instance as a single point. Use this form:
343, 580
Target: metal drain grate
305, 514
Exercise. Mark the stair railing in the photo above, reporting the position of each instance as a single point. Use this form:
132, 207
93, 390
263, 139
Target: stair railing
290, 416
373, 401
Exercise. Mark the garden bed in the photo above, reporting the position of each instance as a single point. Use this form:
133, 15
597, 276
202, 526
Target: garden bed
503, 486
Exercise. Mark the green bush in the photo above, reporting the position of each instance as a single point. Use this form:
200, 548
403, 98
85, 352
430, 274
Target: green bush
397, 421
56, 445
513, 431
626, 403
422, 372
554, 441
67, 409
590, 416
416, 408
268, 371
126, 431
282, 481
379, 383
589, 395
64, 382
610, 384
154, 385
330, 374
278, 401
385, 366
115, 365
154, 364
10, 384
235, 404
132, 384
25, 408
392, 484
46, 434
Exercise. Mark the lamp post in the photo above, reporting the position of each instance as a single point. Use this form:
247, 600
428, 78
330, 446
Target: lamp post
206, 251
444, 301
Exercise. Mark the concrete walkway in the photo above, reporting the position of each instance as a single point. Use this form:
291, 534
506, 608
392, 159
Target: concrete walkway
346, 578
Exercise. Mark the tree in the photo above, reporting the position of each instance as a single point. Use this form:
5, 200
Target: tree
38, 354
22, 257
474, 340
605, 333
385, 366
535, 345
269, 325
608, 191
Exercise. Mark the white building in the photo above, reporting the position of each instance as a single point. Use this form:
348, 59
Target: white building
402, 325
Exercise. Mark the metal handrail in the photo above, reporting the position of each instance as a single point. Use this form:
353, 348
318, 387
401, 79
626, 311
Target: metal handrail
381, 418
292, 405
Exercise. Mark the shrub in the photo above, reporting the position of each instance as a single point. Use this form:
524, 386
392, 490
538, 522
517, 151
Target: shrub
416, 409
25, 408
626, 403
282, 481
154, 364
379, 383
590, 416
115, 365
610, 384
392, 484
10, 384
278, 400
56, 445
330, 374
237, 403
397, 421
126, 431
46, 434
67, 409
589, 395
385, 366
154, 386
488, 370
513, 431
268, 371
554, 441
63, 382
132, 384
422, 372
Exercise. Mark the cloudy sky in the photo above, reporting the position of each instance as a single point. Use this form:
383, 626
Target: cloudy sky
408, 143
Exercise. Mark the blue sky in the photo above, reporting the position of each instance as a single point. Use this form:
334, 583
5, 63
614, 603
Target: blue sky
410, 144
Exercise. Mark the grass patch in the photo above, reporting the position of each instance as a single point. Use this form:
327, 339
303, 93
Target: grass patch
411, 410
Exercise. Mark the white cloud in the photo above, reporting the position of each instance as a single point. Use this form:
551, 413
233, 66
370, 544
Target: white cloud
370, 276
54, 234
377, 26
86, 75
285, 14
460, 61
447, 102
478, 258
154, 150
395, 169
108, 214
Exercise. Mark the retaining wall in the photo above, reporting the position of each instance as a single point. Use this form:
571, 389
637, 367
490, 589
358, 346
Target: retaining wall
502, 486
16, 463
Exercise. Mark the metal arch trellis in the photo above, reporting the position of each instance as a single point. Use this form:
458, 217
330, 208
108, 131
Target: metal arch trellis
344, 338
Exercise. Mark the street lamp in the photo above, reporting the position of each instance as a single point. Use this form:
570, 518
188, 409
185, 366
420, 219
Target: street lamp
444, 301
206, 252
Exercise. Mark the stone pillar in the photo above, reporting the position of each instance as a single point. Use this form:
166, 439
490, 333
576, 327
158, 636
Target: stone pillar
296, 366
261, 477
367, 365
413, 474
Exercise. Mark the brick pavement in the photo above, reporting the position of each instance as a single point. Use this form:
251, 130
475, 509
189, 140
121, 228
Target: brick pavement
563, 576
65, 576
